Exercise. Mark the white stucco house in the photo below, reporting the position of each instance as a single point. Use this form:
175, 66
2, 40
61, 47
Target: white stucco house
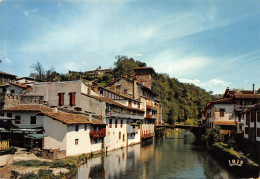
72, 134
221, 113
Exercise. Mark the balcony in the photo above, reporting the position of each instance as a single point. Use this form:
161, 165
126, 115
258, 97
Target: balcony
98, 134
243, 107
149, 116
151, 107
121, 115
147, 135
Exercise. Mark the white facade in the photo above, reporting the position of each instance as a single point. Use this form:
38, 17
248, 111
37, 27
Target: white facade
116, 134
251, 125
65, 137
24, 118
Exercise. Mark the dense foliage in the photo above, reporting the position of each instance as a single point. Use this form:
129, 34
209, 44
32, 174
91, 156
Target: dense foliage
180, 101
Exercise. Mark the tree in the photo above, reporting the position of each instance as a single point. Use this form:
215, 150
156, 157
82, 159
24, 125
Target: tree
38, 71
170, 120
125, 66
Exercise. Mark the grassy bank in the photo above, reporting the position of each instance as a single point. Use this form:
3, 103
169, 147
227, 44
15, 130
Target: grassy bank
69, 164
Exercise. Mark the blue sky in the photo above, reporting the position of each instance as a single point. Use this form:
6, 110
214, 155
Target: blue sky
213, 44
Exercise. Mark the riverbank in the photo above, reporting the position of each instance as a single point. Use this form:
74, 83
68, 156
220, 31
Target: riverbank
28, 165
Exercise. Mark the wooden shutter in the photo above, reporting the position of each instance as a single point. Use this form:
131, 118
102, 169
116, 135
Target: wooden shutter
72, 99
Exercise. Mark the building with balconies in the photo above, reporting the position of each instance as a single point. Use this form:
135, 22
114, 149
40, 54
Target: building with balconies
139, 87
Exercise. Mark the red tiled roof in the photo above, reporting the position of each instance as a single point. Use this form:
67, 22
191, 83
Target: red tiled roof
29, 107
225, 123
70, 118
143, 68
8, 74
111, 101
247, 96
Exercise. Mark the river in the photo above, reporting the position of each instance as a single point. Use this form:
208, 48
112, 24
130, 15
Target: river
173, 157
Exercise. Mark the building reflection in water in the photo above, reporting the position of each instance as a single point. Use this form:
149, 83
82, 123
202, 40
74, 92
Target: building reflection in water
173, 157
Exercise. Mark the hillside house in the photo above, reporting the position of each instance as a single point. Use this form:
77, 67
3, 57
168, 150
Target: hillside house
123, 119
139, 87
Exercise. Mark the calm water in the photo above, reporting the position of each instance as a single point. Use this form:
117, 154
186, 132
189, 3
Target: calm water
174, 157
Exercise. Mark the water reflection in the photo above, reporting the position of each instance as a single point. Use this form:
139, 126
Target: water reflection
173, 157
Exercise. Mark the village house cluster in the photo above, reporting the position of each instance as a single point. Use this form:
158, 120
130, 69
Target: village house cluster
74, 117
238, 111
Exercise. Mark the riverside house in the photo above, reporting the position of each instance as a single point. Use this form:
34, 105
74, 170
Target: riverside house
139, 87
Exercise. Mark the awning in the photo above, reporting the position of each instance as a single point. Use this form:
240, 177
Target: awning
28, 126
26, 130
225, 123
35, 136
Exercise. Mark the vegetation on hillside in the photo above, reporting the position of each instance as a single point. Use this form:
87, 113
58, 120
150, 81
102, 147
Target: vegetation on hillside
181, 101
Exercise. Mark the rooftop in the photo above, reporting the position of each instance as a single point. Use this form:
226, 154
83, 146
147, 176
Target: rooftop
29, 107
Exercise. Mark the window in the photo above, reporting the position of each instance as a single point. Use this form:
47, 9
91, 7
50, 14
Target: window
72, 99
247, 118
258, 116
12, 91
125, 91
18, 120
61, 99
119, 135
222, 112
123, 137
116, 123
121, 123
33, 119
110, 123
253, 116
76, 127
258, 132
246, 130
76, 141
9, 115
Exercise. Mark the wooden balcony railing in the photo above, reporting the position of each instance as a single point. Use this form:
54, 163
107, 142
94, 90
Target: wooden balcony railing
98, 134
147, 135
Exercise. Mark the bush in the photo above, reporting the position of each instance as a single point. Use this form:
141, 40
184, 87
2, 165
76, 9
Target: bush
212, 136
59, 164
31, 163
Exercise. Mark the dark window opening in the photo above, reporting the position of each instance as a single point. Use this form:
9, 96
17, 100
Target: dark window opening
110, 123
9, 115
18, 120
33, 119
77, 128
76, 141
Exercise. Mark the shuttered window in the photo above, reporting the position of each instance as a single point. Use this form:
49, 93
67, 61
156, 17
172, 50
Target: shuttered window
72, 99
61, 99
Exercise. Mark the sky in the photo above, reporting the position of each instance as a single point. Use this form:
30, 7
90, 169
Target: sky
212, 44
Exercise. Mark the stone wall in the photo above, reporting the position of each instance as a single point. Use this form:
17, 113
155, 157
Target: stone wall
8, 100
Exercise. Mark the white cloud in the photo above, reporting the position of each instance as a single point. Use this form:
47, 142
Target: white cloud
139, 55
215, 82
31, 12
196, 82
8, 60
216, 85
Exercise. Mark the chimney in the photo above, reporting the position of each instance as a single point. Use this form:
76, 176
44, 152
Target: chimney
89, 91
253, 88
90, 116
95, 87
